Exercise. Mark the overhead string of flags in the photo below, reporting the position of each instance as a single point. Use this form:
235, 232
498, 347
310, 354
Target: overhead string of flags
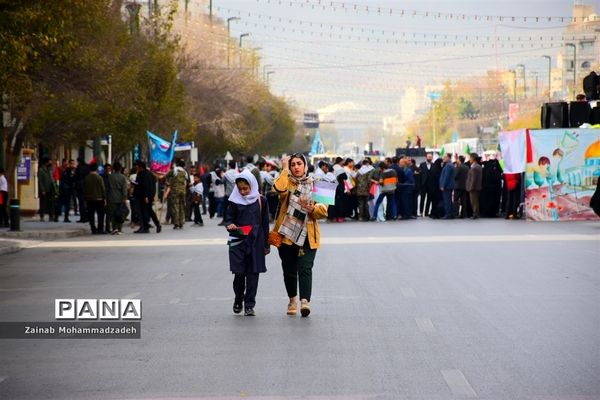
339, 6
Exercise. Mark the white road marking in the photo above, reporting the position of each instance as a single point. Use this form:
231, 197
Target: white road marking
408, 292
186, 261
457, 383
131, 295
161, 276
174, 301
425, 325
359, 240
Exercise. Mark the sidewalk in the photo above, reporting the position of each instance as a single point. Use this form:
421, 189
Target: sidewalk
33, 229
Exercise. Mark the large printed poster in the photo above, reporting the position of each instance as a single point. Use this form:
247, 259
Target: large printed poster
563, 167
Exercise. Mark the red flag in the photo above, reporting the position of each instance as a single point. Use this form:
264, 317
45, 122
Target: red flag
529, 149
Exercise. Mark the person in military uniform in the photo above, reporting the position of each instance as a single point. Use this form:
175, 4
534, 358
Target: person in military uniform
177, 182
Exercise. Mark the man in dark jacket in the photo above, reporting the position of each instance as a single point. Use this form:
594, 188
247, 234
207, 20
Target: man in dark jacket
591, 86
427, 185
117, 198
67, 188
144, 192
81, 172
446, 186
95, 196
46, 190
460, 187
474, 183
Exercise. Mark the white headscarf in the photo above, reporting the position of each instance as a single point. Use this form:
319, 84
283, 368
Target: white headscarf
251, 198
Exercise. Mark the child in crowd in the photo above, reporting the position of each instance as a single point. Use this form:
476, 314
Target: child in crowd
247, 221
197, 193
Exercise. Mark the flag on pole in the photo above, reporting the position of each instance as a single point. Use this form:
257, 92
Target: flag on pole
324, 192
442, 152
161, 152
468, 149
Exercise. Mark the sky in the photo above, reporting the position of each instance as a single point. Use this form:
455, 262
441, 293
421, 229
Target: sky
329, 56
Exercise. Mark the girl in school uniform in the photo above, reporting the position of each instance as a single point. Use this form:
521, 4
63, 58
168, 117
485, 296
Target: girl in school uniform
247, 221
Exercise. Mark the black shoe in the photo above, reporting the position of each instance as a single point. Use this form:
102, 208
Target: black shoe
158, 228
250, 312
237, 307
222, 224
142, 231
101, 233
67, 220
175, 226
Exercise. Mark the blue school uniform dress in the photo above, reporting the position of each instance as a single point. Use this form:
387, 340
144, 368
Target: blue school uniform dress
247, 252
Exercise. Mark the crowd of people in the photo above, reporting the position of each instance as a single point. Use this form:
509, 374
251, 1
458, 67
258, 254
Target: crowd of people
395, 188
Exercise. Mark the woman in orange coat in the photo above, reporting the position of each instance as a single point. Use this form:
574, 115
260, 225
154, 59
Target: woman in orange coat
297, 224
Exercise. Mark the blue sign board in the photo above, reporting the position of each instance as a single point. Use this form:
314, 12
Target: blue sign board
24, 169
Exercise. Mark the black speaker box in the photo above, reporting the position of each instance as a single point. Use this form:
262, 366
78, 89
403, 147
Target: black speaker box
555, 115
579, 113
595, 115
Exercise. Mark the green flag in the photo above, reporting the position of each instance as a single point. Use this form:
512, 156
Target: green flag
442, 152
468, 149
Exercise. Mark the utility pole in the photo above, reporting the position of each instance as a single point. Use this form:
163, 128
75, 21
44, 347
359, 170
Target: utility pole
522, 66
242, 36
210, 10
229, 38
574, 67
265, 72
268, 75
549, 76
514, 72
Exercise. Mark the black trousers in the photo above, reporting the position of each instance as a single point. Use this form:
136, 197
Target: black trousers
3, 212
197, 214
513, 202
147, 213
95, 207
212, 205
245, 287
460, 202
83, 214
425, 206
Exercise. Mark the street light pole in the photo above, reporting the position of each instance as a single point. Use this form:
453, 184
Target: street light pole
269, 74
549, 76
265, 71
242, 36
255, 60
514, 72
229, 38
574, 66
524, 81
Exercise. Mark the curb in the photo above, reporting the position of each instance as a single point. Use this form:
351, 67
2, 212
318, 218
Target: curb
43, 235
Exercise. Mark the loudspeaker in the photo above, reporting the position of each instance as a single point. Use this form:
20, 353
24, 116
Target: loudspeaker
595, 115
579, 113
555, 115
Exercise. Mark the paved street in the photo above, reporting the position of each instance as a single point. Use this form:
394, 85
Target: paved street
487, 309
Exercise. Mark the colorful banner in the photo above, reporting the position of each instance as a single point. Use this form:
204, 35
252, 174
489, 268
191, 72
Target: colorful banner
562, 172
324, 192
161, 153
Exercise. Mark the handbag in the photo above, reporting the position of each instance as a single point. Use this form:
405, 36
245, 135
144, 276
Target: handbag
275, 238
